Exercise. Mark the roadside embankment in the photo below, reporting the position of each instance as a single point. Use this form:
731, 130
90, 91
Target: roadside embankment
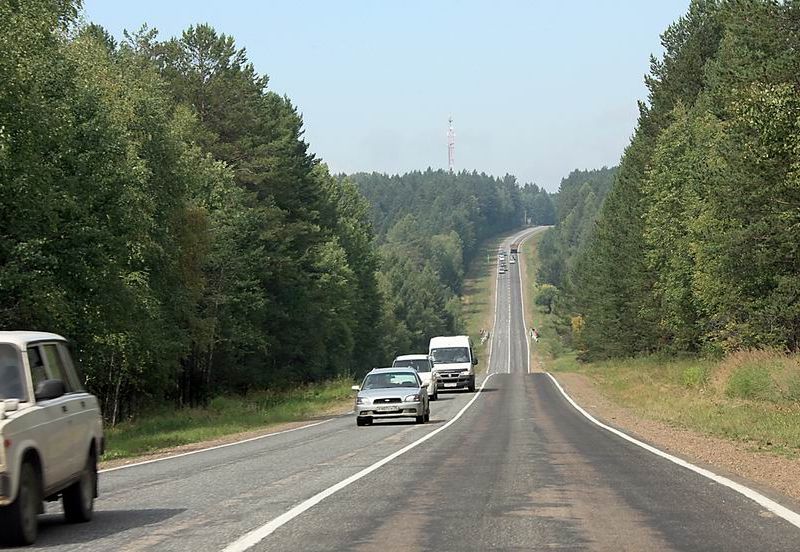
225, 419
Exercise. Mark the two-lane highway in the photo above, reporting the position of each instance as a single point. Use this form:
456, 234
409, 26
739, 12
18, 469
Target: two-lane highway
513, 467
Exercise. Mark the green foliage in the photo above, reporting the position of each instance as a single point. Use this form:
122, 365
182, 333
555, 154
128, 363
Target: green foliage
695, 376
695, 248
547, 296
751, 382
161, 209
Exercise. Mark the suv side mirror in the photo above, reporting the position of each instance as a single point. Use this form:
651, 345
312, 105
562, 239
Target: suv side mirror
474, 361
50, 389
356, 388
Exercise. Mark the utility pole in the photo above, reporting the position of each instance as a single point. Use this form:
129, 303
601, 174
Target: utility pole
451, 146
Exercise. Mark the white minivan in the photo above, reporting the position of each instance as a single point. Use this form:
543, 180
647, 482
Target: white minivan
453, 362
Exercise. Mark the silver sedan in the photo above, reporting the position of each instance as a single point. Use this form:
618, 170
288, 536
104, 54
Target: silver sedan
392, 393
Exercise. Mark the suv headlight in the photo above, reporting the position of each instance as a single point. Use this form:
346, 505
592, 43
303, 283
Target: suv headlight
412, 398
363, 400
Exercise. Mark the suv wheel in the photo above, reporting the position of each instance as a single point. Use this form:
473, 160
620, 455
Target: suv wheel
19, 519
471, 385
78, 498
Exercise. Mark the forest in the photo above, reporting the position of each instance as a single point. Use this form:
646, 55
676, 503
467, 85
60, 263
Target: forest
695, 246
161, 208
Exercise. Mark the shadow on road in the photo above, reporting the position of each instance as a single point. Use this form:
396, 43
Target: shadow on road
54, 531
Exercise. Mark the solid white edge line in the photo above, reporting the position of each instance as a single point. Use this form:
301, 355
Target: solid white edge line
181, 455
777, 509
257, 535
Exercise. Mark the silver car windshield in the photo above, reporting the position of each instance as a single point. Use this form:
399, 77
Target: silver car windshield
12, 381
388, 380
418, 365
449, 355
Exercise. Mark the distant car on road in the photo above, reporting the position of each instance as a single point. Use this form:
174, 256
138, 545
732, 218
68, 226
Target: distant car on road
52, 435
392, 393
423, 364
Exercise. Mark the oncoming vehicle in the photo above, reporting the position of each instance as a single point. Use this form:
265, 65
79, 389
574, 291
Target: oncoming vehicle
391, 393
52, 435
423, 364
453, 362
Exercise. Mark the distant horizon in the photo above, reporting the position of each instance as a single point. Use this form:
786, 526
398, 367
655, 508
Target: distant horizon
535, 90
471, 171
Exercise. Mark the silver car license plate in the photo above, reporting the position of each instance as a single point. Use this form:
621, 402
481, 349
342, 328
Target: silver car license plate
385, 408
450, 384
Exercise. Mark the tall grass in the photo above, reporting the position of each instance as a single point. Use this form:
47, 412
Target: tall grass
750, 396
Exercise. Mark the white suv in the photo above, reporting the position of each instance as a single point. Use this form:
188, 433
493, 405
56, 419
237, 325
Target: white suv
52, 434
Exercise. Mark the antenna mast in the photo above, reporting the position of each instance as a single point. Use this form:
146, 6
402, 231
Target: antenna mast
451, 146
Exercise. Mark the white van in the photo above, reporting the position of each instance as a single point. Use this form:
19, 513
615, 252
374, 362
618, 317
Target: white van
453, 362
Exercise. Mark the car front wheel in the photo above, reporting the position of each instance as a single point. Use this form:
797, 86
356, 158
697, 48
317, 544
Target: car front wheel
18, 521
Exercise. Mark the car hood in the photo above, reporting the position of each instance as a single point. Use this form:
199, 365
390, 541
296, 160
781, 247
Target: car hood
461, 366
388, 392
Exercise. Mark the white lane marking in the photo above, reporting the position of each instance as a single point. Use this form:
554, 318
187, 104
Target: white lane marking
257, 535
181, 455
777, 509
508, 331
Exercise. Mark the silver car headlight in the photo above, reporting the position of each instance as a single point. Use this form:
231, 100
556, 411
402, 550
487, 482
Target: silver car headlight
465, 373
412, 398
363, 400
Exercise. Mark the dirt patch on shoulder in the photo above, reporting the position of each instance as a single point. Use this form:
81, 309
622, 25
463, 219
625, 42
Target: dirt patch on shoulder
730, 458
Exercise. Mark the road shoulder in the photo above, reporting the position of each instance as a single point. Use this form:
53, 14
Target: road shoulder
229, 439
768, 473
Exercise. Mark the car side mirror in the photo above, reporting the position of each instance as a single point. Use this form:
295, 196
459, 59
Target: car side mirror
356, 388
50, 389
475, 361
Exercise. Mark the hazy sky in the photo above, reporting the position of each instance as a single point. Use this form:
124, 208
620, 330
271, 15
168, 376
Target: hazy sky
535, 88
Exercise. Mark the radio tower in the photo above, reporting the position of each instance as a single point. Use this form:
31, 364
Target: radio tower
451, 146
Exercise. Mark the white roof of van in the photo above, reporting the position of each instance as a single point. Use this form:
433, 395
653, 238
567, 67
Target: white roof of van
450, 341
412, 357
20, 338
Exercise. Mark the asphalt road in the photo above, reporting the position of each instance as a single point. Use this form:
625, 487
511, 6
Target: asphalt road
518, 468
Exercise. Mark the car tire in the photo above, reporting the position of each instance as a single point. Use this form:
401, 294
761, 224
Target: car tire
19, 520
78, 498
435, 395
361, 421
471, 385
427, 416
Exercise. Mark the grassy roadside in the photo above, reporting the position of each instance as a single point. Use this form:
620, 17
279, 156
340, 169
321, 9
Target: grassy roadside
173, 427
548, 350
751, 397
477, 297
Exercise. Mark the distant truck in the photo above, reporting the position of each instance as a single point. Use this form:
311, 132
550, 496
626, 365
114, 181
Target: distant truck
515, 248
453, 362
